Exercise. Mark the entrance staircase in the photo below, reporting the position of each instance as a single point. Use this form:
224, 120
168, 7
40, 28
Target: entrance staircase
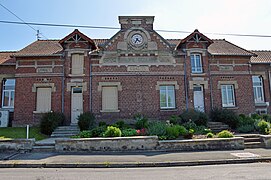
252, 140
65, 131
217, 126
61, 132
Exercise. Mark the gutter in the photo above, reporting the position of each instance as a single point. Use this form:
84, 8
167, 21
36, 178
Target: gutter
185, 84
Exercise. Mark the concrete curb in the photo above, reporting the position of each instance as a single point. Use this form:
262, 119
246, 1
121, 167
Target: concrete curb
135, 164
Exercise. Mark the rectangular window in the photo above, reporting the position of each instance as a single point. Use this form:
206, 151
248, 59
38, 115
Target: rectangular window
43, 100
77, 64
228, 99
110, 98
258, 89
196, 64
167, 97
8, 93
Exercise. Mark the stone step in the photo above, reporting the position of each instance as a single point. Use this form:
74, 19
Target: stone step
253, 145
64, 131
214, 123
44, 144
67, 128
62, 135
252, 139
249, 135
43, 148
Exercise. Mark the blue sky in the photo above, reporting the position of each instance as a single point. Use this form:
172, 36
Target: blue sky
209, 16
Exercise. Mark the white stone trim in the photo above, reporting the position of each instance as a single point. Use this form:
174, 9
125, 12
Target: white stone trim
101, 84
40, 85
74, 84
227, 83
198, 82
161, 83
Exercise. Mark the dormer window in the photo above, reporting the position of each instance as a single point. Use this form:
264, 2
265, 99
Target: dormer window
196, 63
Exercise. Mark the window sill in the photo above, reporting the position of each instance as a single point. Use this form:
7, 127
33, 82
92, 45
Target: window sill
109, 111
231, 107
166, 110
198, 74
261, 104
76, 75
38, 112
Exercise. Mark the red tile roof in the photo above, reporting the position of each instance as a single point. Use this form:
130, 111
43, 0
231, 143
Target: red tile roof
52, 47
5, 58
223, 47
262, 57
41, 48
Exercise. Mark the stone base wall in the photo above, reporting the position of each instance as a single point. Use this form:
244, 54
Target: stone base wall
236, 143
148, 143
17, 145
108, 144
266, 140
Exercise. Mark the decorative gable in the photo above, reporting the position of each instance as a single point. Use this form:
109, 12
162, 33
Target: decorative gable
77, 40
195, 40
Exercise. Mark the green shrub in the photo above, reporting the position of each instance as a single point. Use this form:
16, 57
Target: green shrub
263, 127
86, 121
225, 134
226, 116
245, 120
199, 118
210, 135
246, 128
112, 131
183, 130
85, 134
157, 128
190, 125
266, 117
255, 116
174, 119
50, 121
141, 121
120, 124
98, 131
173, 131
189, 134
102, 123
128, 132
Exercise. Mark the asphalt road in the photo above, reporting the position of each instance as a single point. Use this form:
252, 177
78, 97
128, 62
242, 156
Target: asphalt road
242, 171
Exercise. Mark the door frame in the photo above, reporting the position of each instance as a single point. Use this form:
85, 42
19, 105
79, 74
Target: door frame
202, 109
73, 119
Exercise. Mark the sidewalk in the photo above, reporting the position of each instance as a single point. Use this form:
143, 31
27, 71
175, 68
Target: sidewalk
122, 160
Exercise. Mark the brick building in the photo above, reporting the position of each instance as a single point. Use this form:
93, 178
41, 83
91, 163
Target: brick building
135, 71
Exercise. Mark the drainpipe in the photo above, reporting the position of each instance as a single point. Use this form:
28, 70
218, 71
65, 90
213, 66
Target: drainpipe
63, 84
269, 81
185, 84
90, 86
211, 84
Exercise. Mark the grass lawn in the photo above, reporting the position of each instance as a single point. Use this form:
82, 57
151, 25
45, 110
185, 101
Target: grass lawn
20, 132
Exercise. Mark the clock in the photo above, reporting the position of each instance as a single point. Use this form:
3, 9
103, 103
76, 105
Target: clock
137, 39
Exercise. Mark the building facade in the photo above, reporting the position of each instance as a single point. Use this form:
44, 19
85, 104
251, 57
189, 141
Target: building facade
136, 71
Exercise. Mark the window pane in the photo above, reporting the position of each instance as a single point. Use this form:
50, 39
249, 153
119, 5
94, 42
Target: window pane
12, 99
163, 99
167, 97
6, 98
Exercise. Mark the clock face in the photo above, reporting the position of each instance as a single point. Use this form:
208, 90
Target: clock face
137, 39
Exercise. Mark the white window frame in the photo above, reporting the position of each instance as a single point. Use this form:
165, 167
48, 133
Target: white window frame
167, 97
196, 68
9, 91
76, 67
227, 103
256, 90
